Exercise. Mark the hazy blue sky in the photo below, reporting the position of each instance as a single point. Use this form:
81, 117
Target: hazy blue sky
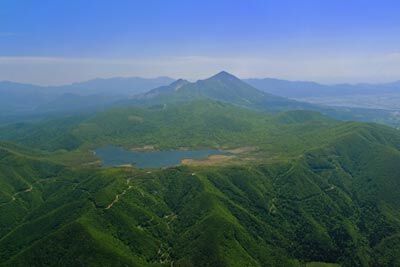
54, 41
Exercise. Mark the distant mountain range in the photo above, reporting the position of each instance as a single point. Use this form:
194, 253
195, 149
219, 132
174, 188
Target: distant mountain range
116, 86
21, 100
302, 89
24, 99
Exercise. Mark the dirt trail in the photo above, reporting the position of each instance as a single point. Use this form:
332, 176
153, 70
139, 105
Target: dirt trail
14, 196
330, 188
29, 189
117, 196
116, 199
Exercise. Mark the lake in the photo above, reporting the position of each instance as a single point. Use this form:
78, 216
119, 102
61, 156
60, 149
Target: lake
117, 156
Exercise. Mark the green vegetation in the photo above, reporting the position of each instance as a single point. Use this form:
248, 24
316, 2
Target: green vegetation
312, 192
201, 123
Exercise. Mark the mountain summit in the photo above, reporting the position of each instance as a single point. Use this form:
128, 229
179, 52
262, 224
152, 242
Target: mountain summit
222, 86
223, 75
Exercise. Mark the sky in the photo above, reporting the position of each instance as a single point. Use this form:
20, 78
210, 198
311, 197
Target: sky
52, 42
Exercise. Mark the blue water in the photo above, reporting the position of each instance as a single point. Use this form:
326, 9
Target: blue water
116, 156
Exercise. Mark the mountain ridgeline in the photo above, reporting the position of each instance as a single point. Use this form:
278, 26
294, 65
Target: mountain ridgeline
22, 102
302, 89
221, 87
227, 88
297, 187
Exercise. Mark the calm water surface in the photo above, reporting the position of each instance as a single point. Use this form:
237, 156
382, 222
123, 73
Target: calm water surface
116, 156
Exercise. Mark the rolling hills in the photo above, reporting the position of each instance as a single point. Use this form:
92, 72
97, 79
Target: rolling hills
314, 190
201, 123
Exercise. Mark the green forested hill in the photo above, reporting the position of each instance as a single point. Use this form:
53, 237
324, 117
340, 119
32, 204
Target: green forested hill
201, 123
311, 209
314, 190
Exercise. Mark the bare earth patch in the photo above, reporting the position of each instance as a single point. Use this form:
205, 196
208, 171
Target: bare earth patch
236, 153
125, 165
211, 160
240, 150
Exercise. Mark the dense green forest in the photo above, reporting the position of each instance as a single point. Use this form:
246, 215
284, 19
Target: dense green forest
311, 191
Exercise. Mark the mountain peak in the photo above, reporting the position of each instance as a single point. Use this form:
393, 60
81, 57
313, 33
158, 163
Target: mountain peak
224, 75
